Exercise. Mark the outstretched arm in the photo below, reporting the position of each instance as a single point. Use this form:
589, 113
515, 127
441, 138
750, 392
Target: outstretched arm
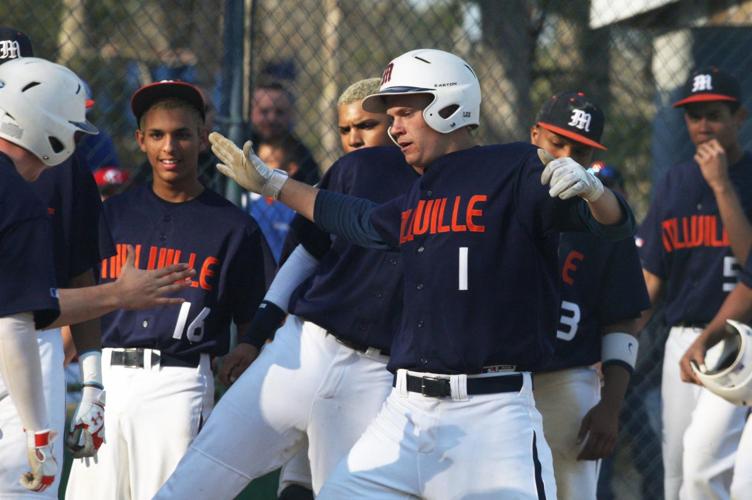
346, 216
567, 179
134, 289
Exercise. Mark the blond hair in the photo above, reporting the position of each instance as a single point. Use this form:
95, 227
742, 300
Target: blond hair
359, 91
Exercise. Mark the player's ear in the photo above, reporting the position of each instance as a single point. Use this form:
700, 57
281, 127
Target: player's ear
534, 134
140, 140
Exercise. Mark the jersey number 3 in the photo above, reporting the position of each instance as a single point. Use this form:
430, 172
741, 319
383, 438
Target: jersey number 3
570, 320
195, 331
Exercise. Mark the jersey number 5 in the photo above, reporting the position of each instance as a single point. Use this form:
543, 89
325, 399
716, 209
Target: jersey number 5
195, 331
570, 319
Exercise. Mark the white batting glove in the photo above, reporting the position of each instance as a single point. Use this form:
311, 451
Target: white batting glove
86, 431
41, 461
567, 179
245, 168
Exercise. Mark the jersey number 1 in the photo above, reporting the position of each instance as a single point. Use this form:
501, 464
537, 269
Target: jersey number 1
195, 331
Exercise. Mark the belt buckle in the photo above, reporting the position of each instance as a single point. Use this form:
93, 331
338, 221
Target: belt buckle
131, 357
438, 380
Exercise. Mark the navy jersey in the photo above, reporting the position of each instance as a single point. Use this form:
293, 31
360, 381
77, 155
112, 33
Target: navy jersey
26, 264
684, 243
601, 284
356, 293
221, 242
478, 234
73, 203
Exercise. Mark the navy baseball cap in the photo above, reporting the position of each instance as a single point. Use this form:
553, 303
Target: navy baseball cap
709, 84
574, 116
14, 44
147, 95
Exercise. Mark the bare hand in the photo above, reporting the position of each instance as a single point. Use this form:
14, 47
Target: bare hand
236, 362
711, 157
601, 427
142, 289
694, 354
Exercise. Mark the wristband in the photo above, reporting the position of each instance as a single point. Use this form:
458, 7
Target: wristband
274, 184
268, 318
619, 349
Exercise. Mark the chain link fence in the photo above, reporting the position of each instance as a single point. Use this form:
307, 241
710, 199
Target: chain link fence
631, 56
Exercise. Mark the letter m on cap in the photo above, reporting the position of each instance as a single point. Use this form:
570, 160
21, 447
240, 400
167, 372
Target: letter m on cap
702, 83
387, 74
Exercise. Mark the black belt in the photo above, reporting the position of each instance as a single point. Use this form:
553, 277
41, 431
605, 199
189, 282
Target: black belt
691, 324
133, 357
355, 346
439, 387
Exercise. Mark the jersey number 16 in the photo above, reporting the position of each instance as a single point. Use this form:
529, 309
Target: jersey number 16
195, 331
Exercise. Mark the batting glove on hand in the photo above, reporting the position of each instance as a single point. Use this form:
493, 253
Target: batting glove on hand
41, 461
567, 179
245, 168
86, 432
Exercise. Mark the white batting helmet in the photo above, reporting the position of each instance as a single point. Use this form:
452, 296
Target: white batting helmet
451, 81
728, 366
42, 106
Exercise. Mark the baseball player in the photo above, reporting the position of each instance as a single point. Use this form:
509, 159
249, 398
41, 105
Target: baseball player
73, 206
603, 294
27, 289
478, 235
712, 160
156, 362
324, 375
357, 129
685, 250
42, 108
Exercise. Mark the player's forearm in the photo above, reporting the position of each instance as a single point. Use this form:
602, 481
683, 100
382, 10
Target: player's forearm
607, 210
734, 220
298, 267
21, 370
299, 196
88, 334
348, 217
83, 304
615, 383
616, 376
738, 306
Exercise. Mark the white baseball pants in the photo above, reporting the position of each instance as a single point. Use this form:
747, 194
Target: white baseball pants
151, 416
297, 470
477, 447
701, 431
13, 461
564, 397
741, 486
303, 382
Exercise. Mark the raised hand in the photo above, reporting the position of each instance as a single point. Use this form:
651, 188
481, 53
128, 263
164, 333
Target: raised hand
245, 168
